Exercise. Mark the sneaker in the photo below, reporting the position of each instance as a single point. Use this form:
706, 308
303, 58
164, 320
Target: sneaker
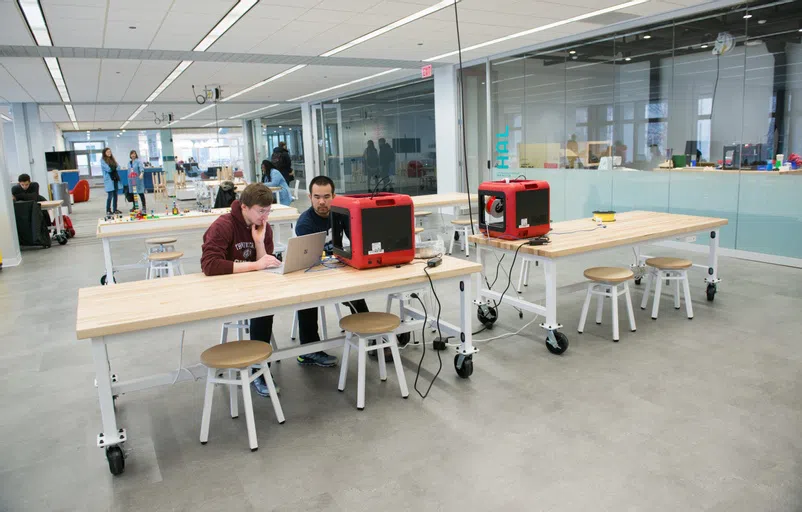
117, 212
260, 386
388, 354
317, 359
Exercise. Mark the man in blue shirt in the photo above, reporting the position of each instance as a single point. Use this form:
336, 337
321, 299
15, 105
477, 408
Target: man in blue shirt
316, 220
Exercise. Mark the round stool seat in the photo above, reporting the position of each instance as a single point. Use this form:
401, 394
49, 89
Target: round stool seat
461, 222
161, 241
669, 263
609, 274
422, 214
418, 230
370, 323
236, 354
165, 256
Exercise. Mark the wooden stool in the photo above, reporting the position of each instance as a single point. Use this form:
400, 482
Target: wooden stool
461, 226
420, 215
670, 269
163, 264
162, 244
239, 356
606, 282
367, 327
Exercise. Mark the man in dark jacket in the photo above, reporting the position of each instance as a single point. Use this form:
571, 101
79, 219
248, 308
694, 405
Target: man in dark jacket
28, 190
242, 241
282, 161
386, 158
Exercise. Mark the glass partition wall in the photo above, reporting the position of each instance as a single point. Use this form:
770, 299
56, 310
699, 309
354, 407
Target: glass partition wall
277, 128
686, 117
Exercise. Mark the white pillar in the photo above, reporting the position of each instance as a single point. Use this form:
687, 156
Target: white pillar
168, 154
9, 243
446, 101
311, 167
249, 152
30, 144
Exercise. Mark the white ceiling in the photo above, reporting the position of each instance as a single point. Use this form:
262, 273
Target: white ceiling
288, 27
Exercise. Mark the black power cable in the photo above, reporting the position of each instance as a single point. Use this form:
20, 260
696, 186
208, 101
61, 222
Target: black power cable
462, 119
423, 338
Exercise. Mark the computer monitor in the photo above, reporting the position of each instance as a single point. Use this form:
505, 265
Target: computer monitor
212, 172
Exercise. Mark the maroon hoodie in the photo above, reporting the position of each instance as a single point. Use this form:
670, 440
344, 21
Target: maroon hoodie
229, 239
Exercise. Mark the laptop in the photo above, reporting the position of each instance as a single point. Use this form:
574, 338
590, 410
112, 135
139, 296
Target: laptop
302, 252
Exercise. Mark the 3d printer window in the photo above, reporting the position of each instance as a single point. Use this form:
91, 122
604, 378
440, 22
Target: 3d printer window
533, 205
340, 229
494, 221
390, 226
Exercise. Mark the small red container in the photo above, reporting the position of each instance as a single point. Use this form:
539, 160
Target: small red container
373, 230
514, 209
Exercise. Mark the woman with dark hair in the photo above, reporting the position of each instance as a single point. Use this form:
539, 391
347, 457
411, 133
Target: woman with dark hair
110, 180
272, 177
135, 165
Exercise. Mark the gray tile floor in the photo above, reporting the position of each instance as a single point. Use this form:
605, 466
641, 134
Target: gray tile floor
681, 415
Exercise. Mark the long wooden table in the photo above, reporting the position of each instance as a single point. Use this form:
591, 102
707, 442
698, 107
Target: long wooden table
116, 231
582, 236
105, 315
442, 200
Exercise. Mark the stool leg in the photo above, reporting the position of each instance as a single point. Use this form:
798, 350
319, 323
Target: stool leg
382, 362
630, 312
614, 291
389, 303
599, 307
233, 399
521, 276
294, 325
526, 273
451, 245
273, 395
658, 288
467, 243
344, 362
648, 288
207, 406
360, 383
687, 286
323, 326
585, 308
399, 368
244, 377
224, 333
274, 344
676, 294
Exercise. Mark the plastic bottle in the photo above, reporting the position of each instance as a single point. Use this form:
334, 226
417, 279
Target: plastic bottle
175, 209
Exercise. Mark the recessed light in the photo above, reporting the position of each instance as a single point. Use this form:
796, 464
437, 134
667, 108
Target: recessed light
628, 59
647, 36
574, 57
420, 44
572, 52
703, 46
761, 22
747, 16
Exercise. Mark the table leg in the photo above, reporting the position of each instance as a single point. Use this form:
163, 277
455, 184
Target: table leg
712, 278
111, 436
463, 361
109, 277
556, 342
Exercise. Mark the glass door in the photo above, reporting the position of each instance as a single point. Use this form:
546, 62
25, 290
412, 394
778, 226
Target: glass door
88, 155
327, 120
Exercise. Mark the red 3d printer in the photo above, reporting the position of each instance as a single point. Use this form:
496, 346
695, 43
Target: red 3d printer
514, 209
373, 230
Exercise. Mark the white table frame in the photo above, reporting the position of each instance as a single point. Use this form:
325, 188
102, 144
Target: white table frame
549, 310
109, 385
58, 228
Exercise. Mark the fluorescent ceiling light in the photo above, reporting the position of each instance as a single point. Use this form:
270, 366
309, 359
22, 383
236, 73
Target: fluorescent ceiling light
254, 111
71, 113
237, 12
170, 79
6, 118
352, 82
36, 21
207, 107
394, 25
266, 81
542, 28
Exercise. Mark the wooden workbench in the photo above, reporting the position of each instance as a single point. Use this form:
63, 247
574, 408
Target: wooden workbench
105, 315
439, 200
582, 236
730, 171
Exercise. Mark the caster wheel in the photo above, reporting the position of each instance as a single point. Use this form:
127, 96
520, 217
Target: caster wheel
466, 369
711, 292
114, 454
103, 280
61, 239
637, 281
403, 339
562, 343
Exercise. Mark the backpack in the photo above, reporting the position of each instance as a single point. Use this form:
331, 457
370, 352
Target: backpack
68, 226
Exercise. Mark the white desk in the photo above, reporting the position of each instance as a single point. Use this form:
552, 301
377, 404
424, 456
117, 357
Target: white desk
582, 236
59, 233
115, 231
104, 315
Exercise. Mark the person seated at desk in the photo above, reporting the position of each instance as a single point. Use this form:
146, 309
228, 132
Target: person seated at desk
242, 241
272, 177
316, 220
28, 190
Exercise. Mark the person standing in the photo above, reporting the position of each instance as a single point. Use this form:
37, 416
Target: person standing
386, 158
282, 161
371, 157
272, 177
242, 241
135, 165
111, 179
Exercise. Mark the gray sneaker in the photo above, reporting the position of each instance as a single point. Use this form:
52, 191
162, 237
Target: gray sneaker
260, 386
317, 359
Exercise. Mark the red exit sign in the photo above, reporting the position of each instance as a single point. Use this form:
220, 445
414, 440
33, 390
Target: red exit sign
426, 71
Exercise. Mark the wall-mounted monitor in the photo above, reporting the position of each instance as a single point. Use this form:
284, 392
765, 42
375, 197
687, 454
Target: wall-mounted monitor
61, 160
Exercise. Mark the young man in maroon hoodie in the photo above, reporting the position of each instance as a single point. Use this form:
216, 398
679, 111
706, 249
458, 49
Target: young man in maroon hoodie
242, 241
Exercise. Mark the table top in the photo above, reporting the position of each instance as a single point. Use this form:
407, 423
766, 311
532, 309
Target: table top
729, 171
51, 204
582, 235
188, 221
449, 199
140, 305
